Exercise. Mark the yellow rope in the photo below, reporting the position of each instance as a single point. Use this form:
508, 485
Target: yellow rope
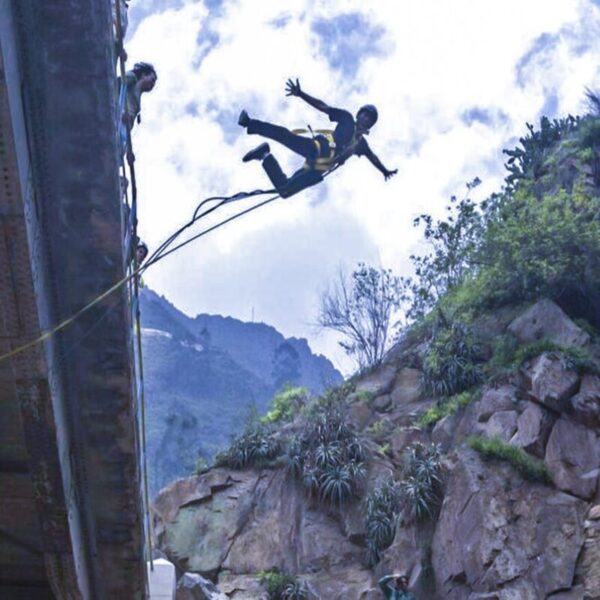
48, 334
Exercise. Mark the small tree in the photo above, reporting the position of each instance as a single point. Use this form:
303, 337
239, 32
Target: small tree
360, 307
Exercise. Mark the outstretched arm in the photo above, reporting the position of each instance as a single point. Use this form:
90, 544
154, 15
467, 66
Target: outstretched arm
384, 585
293, 89
374, 159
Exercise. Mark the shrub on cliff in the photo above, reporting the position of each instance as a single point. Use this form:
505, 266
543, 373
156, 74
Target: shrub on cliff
421, 489
256, 446
327, 456
286, 404
381, 508
360, 307
539, 237
528, 466
281, 586
451, 363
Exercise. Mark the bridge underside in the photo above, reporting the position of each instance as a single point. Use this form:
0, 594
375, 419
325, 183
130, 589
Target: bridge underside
70, 509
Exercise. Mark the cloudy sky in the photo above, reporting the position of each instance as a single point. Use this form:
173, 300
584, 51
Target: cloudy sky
455, 81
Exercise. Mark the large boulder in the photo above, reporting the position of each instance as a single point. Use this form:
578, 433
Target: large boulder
382, 403
403, 437
502, 424
589, 569
585, 405
493, 400
550, 381
192, 586
360, 415
475, 419
573, 457
533, 428
379, 381
242, 587
407, 387
545, 320
497, 534
254, 521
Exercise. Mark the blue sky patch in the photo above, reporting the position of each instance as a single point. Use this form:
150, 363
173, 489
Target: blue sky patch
207, 40
477, 114
347, 39
281, 21
214, 5
543, 44
138, 11
550, 107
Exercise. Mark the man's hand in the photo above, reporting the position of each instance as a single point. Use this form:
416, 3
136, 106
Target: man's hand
292, 89
389, 174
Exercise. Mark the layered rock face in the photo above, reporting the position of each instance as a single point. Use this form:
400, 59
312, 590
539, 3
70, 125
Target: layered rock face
496, 535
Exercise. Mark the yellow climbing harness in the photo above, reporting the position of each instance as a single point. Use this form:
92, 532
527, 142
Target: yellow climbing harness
321, 163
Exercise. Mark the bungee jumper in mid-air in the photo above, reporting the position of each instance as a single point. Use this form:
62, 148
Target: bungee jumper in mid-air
324, 151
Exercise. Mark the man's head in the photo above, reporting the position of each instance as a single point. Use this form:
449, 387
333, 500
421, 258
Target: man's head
366, 117
402, 582
145, 73
141, 253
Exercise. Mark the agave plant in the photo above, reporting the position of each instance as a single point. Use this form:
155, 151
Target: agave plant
382, 507
422, 488
311, 480
336, 484
328, 454
452, 363
294, 591
294, 458
255, 446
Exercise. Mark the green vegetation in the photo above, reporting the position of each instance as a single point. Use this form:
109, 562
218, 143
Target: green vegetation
509, 357
281, 586
327, 456
421, 489
418, 494
335, 397
201, 466
451, 363
379, 429
446, 407
381, 510
365, 396
494, 448
256, 446
540, 236
286, 404
529, 161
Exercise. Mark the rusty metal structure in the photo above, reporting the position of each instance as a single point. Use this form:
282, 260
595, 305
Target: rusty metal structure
71, 517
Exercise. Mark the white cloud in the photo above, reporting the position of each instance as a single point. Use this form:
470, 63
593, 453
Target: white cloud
440, 59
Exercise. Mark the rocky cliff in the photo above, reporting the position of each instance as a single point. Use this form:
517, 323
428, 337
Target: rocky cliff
515, 514
470, 458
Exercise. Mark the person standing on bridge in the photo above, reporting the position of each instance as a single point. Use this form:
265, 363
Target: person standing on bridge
141, 79
323, 152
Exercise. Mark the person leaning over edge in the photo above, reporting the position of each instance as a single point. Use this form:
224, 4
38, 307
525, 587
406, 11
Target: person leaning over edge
395, 587
322, 152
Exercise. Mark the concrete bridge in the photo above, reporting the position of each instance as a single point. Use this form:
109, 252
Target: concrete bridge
71, 518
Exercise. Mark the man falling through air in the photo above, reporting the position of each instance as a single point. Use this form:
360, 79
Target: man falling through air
325, 150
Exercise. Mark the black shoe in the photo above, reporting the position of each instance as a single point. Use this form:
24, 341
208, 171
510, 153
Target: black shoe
258, 153
243, 119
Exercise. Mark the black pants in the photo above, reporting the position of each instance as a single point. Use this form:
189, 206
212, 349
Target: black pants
306, 147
